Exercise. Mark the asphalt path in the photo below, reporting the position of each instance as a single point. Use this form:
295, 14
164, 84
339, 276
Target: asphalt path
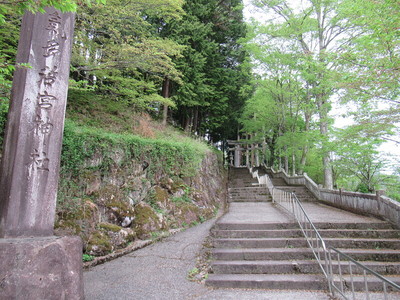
160, 271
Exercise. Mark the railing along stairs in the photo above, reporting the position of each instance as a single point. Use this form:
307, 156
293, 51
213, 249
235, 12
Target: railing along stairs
330, 259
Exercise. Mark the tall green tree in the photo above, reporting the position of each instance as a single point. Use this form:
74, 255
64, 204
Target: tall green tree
10, 21
369, 66
358, 157
310, 31
117, 50
210, 98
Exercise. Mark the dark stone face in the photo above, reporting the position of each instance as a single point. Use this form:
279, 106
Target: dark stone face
31, 156
41, 268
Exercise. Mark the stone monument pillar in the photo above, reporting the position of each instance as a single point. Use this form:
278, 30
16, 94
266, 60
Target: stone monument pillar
252, 152
238, 156
247, 156
33, 263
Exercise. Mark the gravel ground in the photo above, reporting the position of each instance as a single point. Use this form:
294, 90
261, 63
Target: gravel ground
160, 271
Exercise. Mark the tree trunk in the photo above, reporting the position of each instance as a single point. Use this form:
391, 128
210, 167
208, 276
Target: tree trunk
293, 164
323, 125
165, 94
286, 162
195, 120
303, 160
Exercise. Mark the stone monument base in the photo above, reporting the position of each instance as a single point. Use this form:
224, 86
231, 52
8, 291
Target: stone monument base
41, 268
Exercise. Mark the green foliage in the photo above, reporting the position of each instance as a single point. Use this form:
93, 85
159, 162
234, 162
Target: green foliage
344, 48
87, 257
119, 53
125, 51
358, 157
8, 48
391, 184
38, 6
209, 100
165, 157
185, 198
369, 66
10, 21
192, 273
3, 120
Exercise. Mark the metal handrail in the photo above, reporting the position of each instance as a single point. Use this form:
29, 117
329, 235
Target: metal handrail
291, 203
339, 284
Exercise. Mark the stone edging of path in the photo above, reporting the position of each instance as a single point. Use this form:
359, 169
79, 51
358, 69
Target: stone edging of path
136, 245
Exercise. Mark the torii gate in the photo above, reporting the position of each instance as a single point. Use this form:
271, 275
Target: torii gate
238, 149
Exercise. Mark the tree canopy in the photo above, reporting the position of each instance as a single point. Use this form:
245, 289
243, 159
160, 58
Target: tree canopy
180, 57
314, 54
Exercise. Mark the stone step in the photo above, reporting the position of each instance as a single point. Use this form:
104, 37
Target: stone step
254, 188
296, 267
244, 184
278, 182
249, 196
301, 192
285, 242
273, 233
265, 267
374, 284
294, 281
255, 226
267, 281
360, 233
249, 193
262, 254
259, 243
325, 233
319, 226
248, 186
249, 200
383, 255
248, 178
363, 226
366, 243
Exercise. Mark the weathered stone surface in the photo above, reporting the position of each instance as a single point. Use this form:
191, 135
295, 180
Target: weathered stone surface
31, 155
41, 268
136, 202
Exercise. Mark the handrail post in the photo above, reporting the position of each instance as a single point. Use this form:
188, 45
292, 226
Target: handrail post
289, 201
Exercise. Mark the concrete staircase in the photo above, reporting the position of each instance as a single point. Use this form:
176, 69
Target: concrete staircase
240, 177
257, 246
245, 188
263, 256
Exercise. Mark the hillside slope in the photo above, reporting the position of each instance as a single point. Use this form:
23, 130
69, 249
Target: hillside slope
125, 177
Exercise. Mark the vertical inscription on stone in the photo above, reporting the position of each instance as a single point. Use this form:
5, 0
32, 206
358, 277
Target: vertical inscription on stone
31, 156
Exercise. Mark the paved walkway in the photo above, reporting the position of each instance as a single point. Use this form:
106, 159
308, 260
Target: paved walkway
159, 271
319, 212
266, 212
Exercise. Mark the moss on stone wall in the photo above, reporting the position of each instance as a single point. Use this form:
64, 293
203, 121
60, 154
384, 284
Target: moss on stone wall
117, 188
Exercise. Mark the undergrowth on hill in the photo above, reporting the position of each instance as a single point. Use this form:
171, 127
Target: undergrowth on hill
161, 156
3, 119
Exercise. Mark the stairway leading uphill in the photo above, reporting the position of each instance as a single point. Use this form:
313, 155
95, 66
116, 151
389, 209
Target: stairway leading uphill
258, 245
